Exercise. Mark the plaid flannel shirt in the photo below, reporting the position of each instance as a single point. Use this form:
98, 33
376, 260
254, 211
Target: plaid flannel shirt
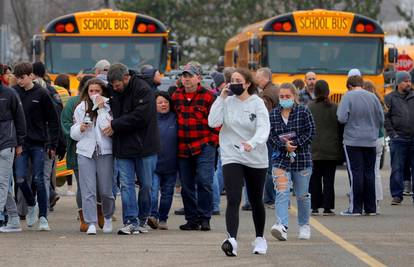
301, 122
192, 118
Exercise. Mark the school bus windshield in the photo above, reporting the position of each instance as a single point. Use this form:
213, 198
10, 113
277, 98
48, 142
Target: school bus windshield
330, 55
71, 54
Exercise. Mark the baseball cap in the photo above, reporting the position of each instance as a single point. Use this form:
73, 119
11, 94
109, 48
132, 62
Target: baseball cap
191, 69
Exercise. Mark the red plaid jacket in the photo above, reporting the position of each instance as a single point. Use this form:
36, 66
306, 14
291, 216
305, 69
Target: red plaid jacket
192, 117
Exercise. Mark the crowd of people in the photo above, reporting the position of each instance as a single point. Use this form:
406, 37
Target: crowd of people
246, 136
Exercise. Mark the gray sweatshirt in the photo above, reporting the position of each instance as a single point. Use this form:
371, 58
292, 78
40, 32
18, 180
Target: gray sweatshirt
362, 114
246, 121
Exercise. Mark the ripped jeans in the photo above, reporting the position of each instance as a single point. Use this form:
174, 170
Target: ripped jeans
282, 181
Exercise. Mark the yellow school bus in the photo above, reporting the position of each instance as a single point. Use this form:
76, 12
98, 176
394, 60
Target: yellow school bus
329, 43
75, 42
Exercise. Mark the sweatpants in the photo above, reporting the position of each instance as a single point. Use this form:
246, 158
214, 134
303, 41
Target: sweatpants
361, 168
235, 175
96, 172
6, 172
322, 184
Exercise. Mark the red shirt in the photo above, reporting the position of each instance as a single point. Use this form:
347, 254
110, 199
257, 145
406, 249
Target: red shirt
192, 116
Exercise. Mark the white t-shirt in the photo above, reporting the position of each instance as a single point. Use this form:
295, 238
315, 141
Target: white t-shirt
246, 121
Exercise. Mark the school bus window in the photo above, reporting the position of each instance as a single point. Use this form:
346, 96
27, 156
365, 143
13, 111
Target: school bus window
66, 54
292, 54
69, 51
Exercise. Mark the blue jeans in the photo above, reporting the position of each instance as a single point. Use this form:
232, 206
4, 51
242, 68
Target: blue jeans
166, 184
143, 168
218, 184
36, 156
197, 173
283, 181
401, 149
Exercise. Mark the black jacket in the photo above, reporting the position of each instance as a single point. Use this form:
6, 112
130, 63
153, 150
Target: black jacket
399, 115
41, 117
135, 120
12, 120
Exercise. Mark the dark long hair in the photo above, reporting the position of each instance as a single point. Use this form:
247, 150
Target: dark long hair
322, 92
248, 77
85, 96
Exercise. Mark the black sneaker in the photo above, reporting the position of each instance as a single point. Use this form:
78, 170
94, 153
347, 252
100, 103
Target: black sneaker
216, 212
396, 201
315, 212
190, 226
128, 229
328, 213
205, 225
179, 212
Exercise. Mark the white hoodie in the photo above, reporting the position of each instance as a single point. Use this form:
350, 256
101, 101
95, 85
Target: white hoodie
93, 136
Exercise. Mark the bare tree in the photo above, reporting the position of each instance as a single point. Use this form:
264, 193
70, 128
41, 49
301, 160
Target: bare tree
23, 22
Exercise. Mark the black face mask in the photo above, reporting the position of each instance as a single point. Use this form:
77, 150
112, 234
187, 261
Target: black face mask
237, 88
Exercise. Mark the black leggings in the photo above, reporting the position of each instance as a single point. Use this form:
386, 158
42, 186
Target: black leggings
234, 177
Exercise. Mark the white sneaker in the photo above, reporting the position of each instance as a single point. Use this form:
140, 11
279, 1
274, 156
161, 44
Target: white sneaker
107, 228
13, 225
259, 245
32, 213
91, 230
279, 232
43, 224
304, 232
229, 247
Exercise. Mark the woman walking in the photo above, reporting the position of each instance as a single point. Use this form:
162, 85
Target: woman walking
292, 128
94, 151
244, 122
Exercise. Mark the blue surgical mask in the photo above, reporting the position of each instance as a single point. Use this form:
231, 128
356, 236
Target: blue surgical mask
286, 103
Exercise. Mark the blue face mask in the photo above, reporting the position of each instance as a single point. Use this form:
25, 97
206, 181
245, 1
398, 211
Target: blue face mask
286, 103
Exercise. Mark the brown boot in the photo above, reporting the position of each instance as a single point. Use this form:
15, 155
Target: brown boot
101, 219
83, 227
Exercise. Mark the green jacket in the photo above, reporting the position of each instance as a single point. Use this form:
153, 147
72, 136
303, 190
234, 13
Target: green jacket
66, 121
326, 144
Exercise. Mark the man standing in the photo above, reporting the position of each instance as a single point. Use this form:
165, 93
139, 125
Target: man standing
42, 134
12, 121
306, 94
362, 114
196, 148
399, 124
136, 143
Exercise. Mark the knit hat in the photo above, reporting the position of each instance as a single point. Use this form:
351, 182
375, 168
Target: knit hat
354, 72
402, 76
218, 78
39, 69
148, 71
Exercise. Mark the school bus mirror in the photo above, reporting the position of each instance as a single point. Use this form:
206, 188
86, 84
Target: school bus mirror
254, 46
176, 54
220, 63
36, 47
392, 54
389, 76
